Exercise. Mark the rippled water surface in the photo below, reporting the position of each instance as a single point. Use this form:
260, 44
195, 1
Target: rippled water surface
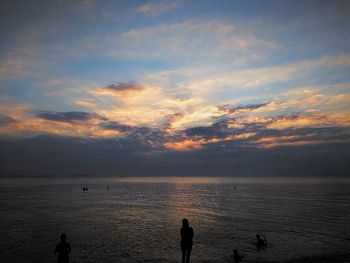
138, 219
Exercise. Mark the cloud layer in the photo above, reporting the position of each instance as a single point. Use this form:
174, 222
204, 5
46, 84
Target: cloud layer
159, 83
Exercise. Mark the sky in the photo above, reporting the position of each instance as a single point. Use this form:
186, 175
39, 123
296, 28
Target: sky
214, 88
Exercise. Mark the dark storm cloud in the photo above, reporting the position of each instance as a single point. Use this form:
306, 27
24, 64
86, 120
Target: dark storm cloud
70, 116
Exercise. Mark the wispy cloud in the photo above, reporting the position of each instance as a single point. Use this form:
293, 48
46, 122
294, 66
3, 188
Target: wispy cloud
154, 8
191, 40
89, 103
15, 66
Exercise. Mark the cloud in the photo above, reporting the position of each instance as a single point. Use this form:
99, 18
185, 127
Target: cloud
198, 143
113, 125
170, 120
157, 8
5, 120
232, 110
302, 136
15, 111
301, 121
17, 66
269, 132
224, 84
290, 141
71, 116
89, 103
176, 123
191, 40
119, 89
72, 124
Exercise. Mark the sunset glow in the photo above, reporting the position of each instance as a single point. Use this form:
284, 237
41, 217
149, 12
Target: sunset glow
170, 76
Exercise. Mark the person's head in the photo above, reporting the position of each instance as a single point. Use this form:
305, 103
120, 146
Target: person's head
257, 236
235, 251
63, 237
185, 223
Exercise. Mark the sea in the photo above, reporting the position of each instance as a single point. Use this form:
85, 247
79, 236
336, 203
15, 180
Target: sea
138, 219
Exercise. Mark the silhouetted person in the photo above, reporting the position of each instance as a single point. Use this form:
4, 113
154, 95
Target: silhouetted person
62, 250
260, 243
186, 240
236, 257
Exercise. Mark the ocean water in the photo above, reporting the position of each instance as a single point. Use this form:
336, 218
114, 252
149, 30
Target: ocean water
139, 219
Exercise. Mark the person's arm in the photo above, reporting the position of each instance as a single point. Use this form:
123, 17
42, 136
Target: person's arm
69, 248
56, 249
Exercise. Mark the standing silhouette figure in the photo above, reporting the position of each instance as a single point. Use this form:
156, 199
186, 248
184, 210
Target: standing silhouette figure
236, 257
260, 243
62, 250
186, 240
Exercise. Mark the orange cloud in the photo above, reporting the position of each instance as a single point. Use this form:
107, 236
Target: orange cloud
89, 129
339, 119
273, 142
198, 143
185, 145
89, 103
298, 122
25, 124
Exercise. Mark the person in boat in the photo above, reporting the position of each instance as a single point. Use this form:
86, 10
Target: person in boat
62, 250
186, 240
260, 243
